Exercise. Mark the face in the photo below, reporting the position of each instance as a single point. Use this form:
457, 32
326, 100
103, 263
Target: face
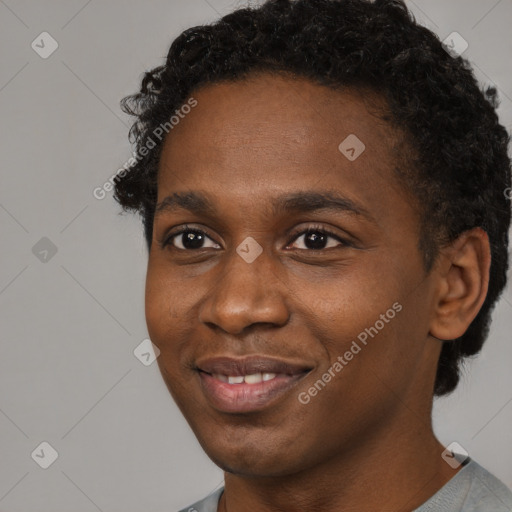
277, 255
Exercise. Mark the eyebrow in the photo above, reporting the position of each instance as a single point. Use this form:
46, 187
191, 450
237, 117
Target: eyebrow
296, 202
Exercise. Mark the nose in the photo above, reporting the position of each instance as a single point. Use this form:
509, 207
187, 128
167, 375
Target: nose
246, 294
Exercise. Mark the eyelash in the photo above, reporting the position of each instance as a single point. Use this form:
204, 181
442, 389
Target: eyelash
167, 241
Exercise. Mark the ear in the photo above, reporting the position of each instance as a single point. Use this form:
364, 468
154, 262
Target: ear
463, 280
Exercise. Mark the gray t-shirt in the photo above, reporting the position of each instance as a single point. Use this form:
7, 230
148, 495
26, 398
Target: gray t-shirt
472, 489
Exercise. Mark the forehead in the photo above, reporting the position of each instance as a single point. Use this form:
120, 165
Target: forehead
308, 118
279, 133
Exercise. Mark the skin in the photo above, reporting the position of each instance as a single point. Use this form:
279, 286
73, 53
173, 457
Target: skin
365, 441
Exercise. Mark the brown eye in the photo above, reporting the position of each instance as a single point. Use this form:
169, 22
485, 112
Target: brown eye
318, 239
189, 239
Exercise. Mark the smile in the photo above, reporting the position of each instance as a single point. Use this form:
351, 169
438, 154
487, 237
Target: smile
250, 384
254, 378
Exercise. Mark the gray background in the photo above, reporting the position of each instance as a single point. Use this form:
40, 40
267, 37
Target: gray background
70, 324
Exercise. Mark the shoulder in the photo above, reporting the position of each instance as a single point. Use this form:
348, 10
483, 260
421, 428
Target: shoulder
472, 489
208, 504
487, 490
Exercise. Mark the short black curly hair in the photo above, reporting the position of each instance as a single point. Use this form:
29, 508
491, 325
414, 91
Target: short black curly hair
455, 159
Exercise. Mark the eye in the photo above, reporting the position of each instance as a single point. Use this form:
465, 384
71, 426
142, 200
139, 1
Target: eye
317, 238
189, 239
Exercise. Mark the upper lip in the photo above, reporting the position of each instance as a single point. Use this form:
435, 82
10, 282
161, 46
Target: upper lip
249, 365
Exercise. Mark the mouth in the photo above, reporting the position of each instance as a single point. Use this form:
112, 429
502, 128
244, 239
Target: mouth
250, 384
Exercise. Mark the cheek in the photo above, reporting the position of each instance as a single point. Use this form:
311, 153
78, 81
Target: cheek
153, 301
168, 311
349, 303
361, 320
158, 303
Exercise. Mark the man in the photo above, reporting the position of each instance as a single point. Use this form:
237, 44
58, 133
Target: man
324, 195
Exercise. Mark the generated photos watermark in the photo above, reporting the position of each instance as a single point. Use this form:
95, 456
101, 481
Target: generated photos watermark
305, 397
159, 133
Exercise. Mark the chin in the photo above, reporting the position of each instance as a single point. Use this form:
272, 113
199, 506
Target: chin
254, 470
253, 458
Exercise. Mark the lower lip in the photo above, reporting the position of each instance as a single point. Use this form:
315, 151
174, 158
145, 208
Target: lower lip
244, 397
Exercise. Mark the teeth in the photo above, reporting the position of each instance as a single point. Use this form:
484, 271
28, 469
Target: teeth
254, 378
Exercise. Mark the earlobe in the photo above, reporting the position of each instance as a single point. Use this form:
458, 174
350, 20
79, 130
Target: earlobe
463, 283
